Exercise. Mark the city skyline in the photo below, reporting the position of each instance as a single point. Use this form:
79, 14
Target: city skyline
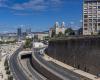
38, 14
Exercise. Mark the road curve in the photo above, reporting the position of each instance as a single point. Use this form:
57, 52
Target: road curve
15, 68
64, 74
36, 75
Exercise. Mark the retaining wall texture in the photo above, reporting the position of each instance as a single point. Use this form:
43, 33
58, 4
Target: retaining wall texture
82, 53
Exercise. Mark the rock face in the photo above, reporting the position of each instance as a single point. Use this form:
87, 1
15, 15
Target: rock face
82, 53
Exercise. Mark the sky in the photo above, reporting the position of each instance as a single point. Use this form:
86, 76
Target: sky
39, 15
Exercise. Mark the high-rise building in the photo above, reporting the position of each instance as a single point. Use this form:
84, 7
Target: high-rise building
91, 17
28, 31
19, 32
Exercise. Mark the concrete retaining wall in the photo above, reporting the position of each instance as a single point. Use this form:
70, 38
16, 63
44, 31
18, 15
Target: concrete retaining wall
82, 53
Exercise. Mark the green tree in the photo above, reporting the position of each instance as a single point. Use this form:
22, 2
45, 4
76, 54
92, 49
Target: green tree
80, 31
53, 33
99, 33
10, 77
6, 67
28, 43
69, 31
46, 38
8, 72
60, 34
6, 62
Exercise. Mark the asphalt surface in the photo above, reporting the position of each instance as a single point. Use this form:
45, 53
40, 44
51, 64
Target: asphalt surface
65, 73
18, 72
15, 68
35, 74
20, 75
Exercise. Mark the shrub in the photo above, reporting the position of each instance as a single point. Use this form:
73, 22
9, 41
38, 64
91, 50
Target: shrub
10, 77
6, 67
8, 72
6, 63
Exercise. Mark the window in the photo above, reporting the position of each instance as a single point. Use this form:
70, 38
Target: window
94, 20
98, 7
98, 20
94, 3
85, 24
85, 16
94, 7
98, 24
90, 24
85, 20
98, 3
94, 24
85, 28
90, 20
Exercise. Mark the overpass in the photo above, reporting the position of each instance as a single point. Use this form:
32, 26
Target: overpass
24, 54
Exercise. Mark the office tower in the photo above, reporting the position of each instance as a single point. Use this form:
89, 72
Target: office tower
19, 32
91, 17
28, 30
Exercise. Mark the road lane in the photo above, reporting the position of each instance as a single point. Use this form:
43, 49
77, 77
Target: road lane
34, 72
66, 74
15, 68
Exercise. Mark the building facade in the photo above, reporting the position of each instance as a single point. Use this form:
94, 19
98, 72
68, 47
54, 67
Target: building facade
57, 29
40, 35
19, 32
91, 17
28, 31
8, 37
80, 52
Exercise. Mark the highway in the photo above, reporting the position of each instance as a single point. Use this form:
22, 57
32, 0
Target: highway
15, 68
35, 74
66, 74
20, 75
18, 72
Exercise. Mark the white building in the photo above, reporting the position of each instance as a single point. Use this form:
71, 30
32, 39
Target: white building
57, 29
41, 35
38, 45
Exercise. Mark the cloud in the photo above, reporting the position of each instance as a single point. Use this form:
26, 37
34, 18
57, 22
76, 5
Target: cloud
3, 3
35, 5
22, 14
30, 6
56, 2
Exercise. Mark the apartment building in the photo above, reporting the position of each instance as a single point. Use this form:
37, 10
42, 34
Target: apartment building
91, 17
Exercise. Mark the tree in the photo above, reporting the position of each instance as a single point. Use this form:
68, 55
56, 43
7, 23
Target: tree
46, 38
98, 32
10, 77
28, 43
69, 31
53, 33
80, 31
8, 72
6, 62
60, 34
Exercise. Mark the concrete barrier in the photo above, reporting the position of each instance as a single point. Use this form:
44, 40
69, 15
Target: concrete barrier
80, 52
